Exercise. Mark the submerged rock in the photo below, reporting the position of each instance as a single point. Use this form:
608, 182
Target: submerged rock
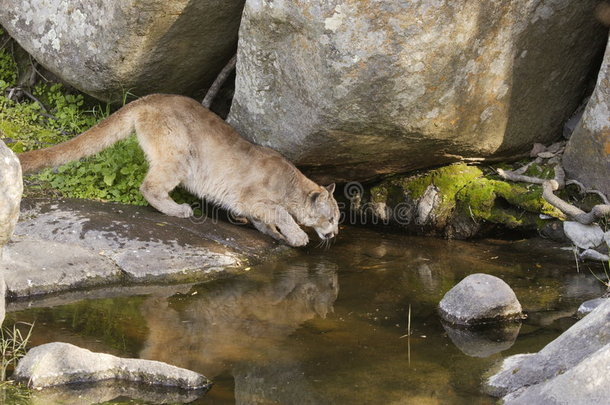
588, 306
61, 363
581, 352
480, 298
108, 48
351, 90
587, 155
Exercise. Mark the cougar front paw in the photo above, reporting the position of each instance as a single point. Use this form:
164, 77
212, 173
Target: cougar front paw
183, 211
298, 239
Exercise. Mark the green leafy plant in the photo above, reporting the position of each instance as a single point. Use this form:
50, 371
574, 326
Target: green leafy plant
8, 70
15, 394
13, 345
52, 114
114, 174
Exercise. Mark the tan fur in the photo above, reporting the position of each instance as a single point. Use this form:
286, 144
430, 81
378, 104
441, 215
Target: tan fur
188, 145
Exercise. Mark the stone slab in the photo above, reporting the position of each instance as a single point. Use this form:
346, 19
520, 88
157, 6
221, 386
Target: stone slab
63, 245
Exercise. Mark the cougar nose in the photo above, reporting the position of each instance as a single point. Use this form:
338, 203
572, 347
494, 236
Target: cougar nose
328, 235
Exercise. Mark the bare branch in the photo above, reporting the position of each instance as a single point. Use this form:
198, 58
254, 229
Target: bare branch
220, 79
513, 176
548, 188
570, 210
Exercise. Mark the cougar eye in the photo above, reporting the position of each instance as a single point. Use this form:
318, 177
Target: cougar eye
332, 220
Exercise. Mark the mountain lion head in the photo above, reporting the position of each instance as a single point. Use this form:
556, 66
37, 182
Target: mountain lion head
322, 212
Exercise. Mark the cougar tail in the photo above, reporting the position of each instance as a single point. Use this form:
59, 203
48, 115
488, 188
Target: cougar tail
109, 131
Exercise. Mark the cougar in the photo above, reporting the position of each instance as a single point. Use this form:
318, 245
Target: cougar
186, 144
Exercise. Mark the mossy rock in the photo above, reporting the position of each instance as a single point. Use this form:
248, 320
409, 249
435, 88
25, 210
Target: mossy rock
511, 204
465, 198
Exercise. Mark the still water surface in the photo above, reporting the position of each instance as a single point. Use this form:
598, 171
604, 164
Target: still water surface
330, 326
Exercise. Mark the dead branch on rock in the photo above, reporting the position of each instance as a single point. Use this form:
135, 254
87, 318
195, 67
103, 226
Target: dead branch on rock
516, 177
559, 182
220, 79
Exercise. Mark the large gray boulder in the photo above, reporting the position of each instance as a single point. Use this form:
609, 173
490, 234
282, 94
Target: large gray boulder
59, 363
106, 48
587, 156
350, 90
11, 188
585, 384
580, 355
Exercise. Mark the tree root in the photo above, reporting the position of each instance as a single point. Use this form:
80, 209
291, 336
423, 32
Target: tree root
220, 79
559, 182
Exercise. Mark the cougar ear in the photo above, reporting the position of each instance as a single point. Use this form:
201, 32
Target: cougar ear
330, 188
313, 196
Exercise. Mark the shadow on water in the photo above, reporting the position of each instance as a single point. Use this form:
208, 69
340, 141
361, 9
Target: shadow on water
329, 326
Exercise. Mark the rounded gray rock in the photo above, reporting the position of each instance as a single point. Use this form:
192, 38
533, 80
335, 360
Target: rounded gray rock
60, 363
11, 188
480, 298
106, 48
583, 236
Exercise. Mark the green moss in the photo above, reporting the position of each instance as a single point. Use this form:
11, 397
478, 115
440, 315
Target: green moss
8, 71
449, 180
415, 187
510, 204
467, 191
542, 172
379, 193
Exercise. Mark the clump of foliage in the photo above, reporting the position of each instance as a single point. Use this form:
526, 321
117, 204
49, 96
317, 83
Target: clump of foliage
13, 344
113, 175
49, 114
15, 394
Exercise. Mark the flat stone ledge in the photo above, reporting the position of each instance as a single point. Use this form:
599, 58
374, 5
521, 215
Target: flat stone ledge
66, 245
34, 267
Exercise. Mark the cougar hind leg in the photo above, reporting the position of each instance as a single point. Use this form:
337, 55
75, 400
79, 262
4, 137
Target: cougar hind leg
158, 183
165, 150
